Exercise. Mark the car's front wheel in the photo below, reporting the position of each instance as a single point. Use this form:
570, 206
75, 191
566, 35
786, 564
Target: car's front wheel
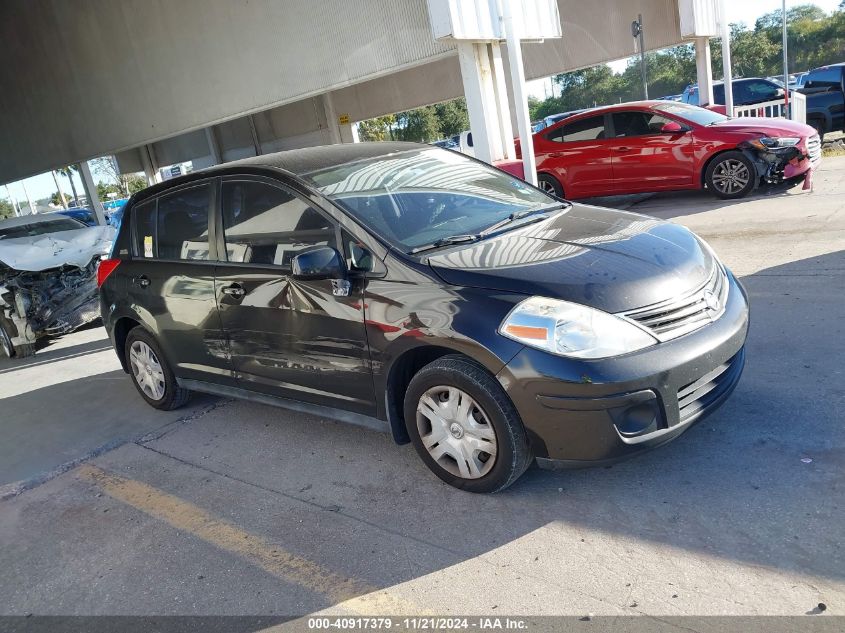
152, 376
550, 185
731, 175
464, 426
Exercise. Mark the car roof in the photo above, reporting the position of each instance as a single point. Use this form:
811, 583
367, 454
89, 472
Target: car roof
33, 219
299, 162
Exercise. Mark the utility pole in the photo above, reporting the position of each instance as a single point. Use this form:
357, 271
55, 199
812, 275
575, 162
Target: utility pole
637, 33
785, 63
59, 189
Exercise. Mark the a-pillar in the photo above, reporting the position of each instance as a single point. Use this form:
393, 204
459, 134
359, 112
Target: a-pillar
704, 71
487, 100
91, 193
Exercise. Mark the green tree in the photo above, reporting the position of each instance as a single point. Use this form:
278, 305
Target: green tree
6, 210
420, 125
452, 116
68, 171
378, 129
134, 183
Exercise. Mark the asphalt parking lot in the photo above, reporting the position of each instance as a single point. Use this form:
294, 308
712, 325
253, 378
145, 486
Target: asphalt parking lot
228, 508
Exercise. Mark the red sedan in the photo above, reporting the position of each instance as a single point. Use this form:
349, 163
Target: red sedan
664, 145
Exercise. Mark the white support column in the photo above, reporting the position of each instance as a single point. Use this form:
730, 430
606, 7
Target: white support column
213, 146
32, 208
150, 167
13, 201
91, 192
520, 96
503, 106
481, 100
331, 119
727, 76
704, 71
348, 132
256, 144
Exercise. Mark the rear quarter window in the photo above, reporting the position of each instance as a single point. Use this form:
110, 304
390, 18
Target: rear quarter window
144, 230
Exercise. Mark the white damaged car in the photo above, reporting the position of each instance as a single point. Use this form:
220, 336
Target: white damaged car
48, 278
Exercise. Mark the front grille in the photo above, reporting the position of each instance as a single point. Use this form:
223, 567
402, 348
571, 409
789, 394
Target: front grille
678, 316
814, 149
698, 395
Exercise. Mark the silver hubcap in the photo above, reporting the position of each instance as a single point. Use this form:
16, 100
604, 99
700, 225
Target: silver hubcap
730, 176
147, 370
546, 186
456, 432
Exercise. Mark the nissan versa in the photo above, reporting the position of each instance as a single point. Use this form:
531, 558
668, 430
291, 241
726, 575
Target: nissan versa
484, 321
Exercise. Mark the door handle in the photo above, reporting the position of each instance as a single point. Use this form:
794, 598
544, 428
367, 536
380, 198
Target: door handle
141, 280
234, 290
623, 149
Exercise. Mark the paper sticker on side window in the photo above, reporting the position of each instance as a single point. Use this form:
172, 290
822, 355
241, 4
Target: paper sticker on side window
148, 246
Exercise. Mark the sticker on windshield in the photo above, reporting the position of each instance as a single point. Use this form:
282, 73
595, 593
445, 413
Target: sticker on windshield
148, 246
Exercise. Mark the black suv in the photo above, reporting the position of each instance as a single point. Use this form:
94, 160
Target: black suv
479, 318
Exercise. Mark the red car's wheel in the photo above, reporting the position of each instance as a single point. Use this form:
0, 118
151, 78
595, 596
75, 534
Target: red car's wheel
550, 185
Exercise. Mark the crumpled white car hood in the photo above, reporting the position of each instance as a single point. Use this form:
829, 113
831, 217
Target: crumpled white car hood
51, 250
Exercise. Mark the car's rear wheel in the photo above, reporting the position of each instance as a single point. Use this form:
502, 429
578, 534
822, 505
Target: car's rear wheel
464, 426
151, 374
731, 175
550, 185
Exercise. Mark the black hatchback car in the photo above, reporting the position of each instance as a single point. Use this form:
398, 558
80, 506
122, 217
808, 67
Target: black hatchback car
477, 317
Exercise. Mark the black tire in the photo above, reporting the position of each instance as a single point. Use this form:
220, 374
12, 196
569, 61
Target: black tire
724, 187
174, 395
818, 126
8, 348
513, 455
550, 185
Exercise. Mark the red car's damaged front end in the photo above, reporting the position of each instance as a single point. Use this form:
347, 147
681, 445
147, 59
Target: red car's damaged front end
782, 149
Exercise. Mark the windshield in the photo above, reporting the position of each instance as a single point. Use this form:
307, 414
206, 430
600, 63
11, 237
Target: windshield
422, 196
692, 113
40, 228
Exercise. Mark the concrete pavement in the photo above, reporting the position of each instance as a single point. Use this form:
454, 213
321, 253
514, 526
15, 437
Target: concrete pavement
236, 508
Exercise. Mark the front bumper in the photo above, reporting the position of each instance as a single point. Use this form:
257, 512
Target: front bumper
579, 412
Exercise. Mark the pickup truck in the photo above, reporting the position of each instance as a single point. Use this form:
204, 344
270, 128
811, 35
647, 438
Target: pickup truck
825, 91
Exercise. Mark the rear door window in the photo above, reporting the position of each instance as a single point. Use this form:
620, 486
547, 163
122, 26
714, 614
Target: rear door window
182, 227
588, 129
266, 224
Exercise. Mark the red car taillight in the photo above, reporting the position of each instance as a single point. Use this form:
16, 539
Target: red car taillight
105, 269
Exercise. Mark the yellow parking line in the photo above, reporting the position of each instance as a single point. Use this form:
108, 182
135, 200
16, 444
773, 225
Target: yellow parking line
354, 594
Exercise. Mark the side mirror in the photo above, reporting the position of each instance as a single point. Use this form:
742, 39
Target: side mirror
672, 127
321, 262
780, 92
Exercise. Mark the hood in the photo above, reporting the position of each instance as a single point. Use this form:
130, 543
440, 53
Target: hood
764, 127
610, 260
52, 250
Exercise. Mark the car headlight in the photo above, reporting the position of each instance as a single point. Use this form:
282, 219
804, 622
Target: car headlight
768, 142
570, 329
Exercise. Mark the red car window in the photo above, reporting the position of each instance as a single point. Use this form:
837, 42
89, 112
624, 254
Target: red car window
588, 129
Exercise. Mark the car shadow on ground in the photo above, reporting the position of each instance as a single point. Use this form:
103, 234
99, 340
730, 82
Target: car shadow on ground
757, 483
677, 204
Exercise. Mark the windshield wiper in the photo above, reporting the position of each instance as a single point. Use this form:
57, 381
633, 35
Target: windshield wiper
445, 241
518, 215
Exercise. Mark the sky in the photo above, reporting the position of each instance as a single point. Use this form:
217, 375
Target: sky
746, 11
